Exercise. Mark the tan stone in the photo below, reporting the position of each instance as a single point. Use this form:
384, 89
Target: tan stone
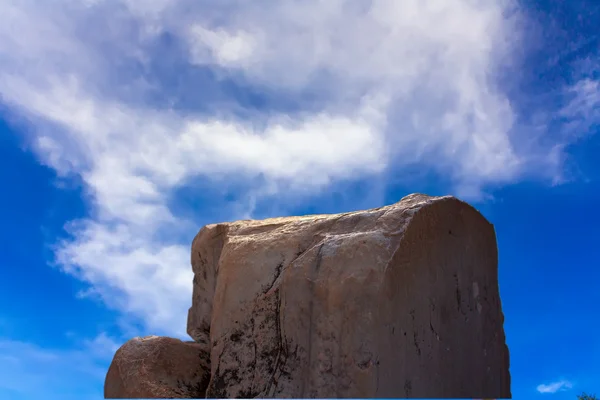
398, 301
157, 367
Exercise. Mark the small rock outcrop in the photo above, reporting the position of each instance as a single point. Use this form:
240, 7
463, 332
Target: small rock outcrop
398, 301
157, 367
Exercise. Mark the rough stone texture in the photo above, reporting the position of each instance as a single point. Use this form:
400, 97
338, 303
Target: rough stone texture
156, 368
399, 301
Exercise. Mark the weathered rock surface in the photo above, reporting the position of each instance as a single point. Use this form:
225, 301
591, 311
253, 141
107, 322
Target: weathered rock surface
399, 301
157, 367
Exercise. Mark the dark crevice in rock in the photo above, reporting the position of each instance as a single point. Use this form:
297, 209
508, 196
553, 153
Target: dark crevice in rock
253, 363
416, 342
318, 261
434, 331
407, 388
458, 296
217, 387
236, 336
276, 275
280, 348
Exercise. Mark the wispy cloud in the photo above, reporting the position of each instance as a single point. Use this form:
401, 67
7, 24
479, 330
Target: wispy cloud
582, 112
554, 387
27, 369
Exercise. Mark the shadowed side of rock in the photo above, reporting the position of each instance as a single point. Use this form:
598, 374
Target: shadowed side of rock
399, 301
440, 322
157, 368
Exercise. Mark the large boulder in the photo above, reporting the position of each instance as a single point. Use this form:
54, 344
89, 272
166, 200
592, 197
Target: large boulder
157, 368
398, 301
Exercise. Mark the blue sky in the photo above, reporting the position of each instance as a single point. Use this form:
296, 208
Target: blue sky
127, 125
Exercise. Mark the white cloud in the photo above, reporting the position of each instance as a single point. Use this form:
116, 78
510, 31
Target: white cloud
101, 347
554, 387
152, 280
227, 49
27, 369
349, 90
582, 112
434, 61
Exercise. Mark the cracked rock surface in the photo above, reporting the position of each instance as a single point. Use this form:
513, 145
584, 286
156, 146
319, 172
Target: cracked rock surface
398, 301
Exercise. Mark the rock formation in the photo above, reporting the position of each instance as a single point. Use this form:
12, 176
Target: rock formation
157, 367
398, 301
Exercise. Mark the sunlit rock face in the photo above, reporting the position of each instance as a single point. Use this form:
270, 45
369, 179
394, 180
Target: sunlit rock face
398, 301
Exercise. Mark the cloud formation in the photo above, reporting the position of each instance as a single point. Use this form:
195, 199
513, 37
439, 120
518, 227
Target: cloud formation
140, 99
26, 369
583, 109
554, 387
